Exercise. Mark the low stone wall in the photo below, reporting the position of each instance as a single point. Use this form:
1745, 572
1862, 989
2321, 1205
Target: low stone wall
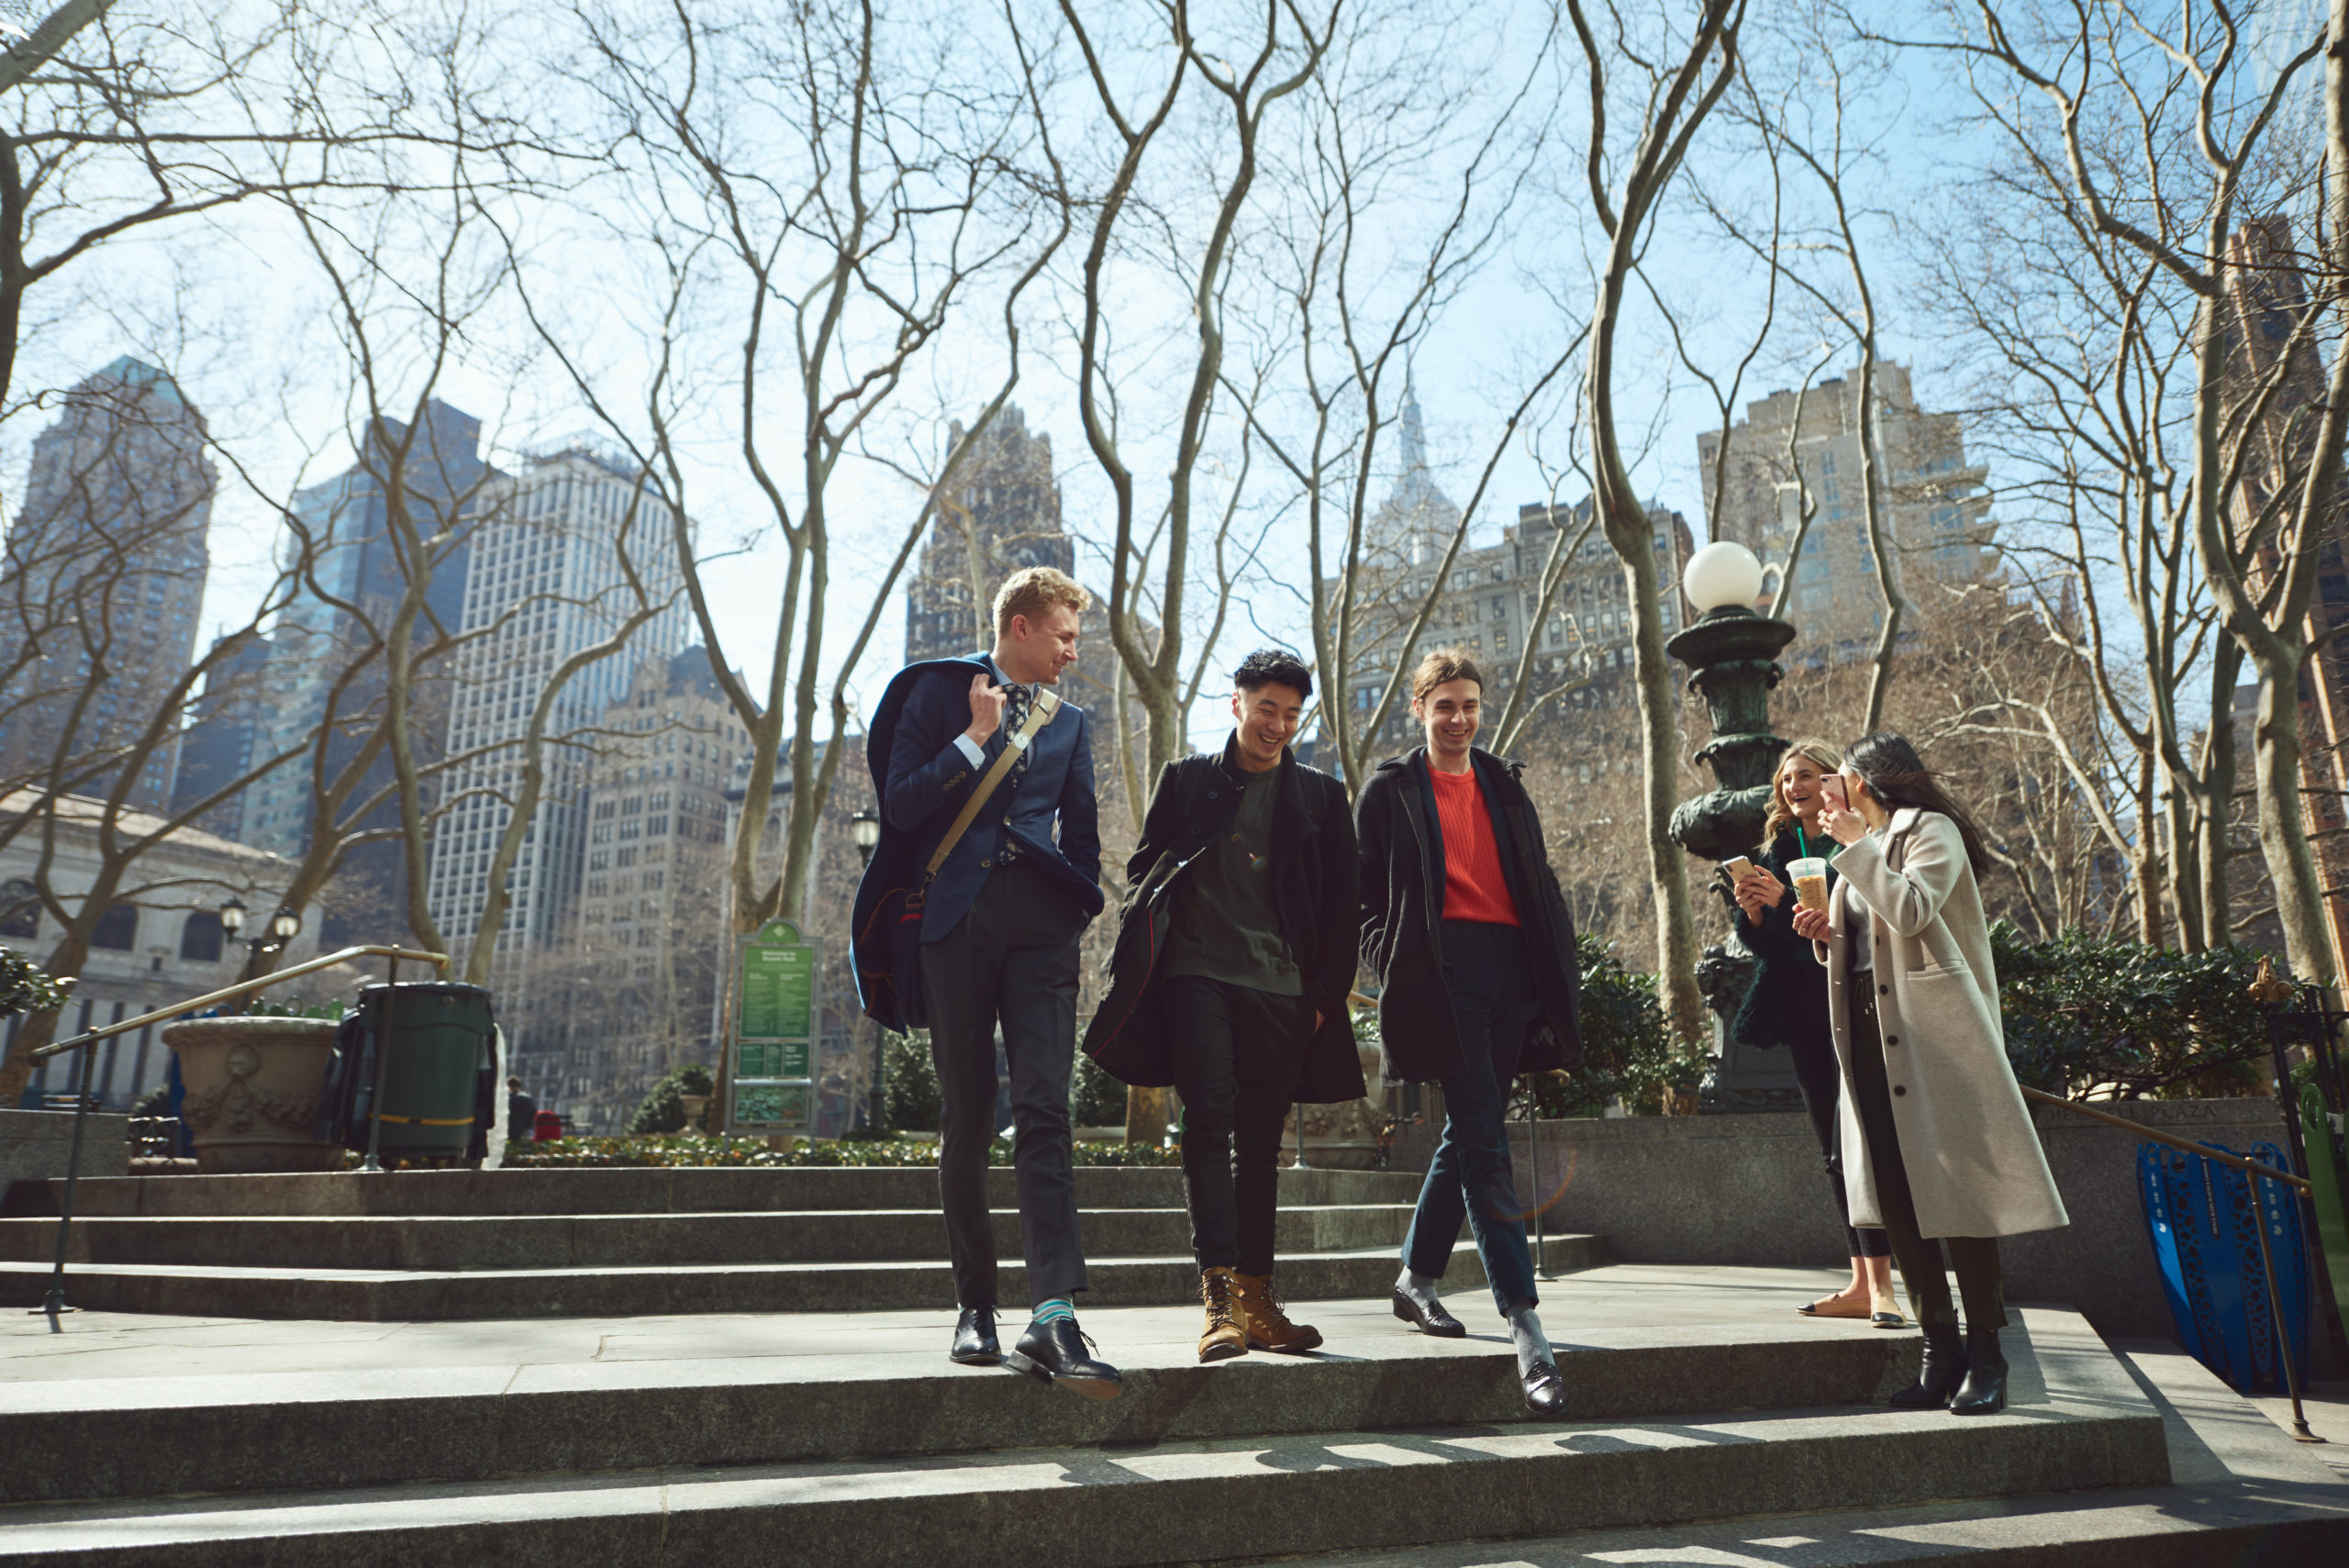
1750, 1190
36, 1145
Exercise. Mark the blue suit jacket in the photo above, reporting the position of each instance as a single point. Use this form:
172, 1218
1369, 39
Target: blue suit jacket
924, 778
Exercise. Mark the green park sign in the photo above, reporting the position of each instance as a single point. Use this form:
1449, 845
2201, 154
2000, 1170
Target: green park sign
772, 1085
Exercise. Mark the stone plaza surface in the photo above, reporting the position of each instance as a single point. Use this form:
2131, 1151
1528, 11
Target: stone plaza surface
1713, 1425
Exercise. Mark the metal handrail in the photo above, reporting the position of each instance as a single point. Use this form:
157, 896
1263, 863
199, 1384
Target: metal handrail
242, 988
2250, 1168
53, 1304
2141, 1129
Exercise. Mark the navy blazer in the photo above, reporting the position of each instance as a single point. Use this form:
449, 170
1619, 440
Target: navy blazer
924, 778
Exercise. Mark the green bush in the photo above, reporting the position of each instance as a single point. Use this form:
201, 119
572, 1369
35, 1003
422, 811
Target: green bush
1627, 1051
663, 1108
26, 987
911, 1094
1096, 1099
695, 1151
2131, 1021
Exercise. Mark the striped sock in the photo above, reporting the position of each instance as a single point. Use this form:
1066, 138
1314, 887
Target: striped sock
1055, 1309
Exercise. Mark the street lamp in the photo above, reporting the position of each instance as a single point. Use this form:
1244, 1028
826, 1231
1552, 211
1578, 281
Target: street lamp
1732, 656
865, 832
282, 927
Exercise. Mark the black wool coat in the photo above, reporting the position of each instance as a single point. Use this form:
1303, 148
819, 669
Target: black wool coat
1402, 881
1786, 1004
1313, 881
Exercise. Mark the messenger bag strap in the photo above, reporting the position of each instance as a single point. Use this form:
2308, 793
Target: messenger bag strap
1041, 714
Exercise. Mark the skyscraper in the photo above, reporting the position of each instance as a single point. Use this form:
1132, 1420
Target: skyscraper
1002, 515
651, 928
1936, 507
103, 581
545, 583
217, 749
356, 566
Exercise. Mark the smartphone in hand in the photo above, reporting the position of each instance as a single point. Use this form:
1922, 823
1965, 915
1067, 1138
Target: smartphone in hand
1832, 787
1738, 866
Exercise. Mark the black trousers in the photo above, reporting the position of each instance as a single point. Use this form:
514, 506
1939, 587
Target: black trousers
1238, 1053
1010, 962
1980, 1280
1821, 1078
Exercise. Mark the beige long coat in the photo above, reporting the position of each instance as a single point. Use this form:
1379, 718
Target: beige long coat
1972, 1158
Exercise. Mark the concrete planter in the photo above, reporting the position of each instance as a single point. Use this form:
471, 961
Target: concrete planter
253, 1092
1342, 1137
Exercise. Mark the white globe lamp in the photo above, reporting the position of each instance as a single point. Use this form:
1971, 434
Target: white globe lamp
1722, 576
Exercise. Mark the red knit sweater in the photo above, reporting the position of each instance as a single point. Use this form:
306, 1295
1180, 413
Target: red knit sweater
1474, 887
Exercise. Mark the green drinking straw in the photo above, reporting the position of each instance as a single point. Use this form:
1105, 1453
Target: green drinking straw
1801, 839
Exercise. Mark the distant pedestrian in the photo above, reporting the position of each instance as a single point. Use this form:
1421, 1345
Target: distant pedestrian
1230, 984
997, 889
1465, 928
1786, 1004
521, 1110
1945, 1149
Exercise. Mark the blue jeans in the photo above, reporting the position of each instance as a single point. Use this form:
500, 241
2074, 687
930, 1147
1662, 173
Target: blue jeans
1470, 1177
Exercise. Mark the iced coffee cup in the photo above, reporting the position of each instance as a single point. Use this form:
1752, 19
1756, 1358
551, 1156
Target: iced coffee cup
1810, 881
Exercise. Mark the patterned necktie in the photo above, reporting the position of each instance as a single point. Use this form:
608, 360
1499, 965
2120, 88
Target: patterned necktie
1017, 699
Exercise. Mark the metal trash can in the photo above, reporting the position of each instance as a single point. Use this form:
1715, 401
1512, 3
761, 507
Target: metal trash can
438, 1074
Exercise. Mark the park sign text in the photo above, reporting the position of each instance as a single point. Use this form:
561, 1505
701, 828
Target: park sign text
771, 1086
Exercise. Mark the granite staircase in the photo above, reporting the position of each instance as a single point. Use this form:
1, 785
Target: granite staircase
414, 1246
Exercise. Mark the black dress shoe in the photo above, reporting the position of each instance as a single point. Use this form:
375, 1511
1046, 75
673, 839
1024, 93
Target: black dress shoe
974, 1341
1055, 1352
1545, 1393
1942, 1369
1983, 1392
1433, 1320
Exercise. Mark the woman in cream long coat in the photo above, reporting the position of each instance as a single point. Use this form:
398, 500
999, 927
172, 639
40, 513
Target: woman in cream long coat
1939, 1146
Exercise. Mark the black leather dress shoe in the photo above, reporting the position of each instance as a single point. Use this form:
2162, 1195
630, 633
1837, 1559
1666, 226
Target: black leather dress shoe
1055, 1352
974, 1341
1545, 1393
1433, 1320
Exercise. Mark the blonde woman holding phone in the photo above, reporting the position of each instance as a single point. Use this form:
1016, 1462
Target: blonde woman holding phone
1939, 1148
1786, 1004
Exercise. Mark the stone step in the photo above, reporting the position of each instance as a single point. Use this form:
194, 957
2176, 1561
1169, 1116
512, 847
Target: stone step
395, 1296
446, 1243
2241, 1493
2078, 1422
643, 1190
376, 1425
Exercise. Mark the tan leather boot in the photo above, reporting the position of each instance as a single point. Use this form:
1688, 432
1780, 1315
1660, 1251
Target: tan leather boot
1268, 1326
1227, 1334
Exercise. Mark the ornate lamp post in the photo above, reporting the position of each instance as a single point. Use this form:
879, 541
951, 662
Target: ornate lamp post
865, 832
1732, 656
282, 927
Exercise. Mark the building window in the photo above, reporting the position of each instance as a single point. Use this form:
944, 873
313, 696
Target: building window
200, 939
118, 929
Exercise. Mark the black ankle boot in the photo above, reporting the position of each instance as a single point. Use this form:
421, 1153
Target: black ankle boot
1937, 1379
1985, 1390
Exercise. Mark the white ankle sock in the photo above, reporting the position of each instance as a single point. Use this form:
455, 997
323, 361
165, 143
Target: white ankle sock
1418, 1288
1525, 1332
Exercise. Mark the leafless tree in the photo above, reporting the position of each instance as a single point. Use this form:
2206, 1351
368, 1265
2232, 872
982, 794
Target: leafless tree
2123, 95
1675, 90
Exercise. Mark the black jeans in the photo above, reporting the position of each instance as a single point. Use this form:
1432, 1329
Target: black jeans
1010, 961
1492, 996
1238, 1053
1979, 1276
1821, 1077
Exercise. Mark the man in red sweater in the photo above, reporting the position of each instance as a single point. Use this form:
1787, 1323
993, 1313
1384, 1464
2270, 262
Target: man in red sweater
1464, 925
